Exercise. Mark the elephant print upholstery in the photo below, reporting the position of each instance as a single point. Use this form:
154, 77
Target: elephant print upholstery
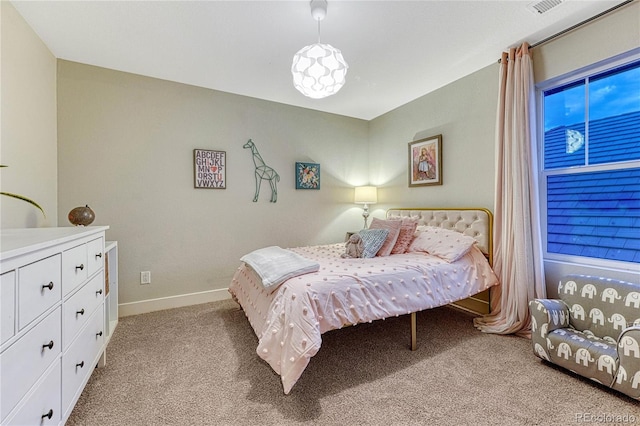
632, 298
606, 362
569, 287
610, 295
618, 321
577, 311
597, 317
539, 350
589, 291
583, 356
629, 346
593, 329
564, 350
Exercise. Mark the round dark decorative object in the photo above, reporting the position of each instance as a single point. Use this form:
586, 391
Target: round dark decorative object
82, 216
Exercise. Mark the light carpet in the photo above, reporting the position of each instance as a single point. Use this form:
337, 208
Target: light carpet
198, 366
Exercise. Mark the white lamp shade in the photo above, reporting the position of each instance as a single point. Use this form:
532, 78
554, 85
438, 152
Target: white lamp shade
366, 195
319, 70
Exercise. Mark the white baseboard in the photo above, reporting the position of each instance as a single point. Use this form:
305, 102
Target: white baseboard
151, 305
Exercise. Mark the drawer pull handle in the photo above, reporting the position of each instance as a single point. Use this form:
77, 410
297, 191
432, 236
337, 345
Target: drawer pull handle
81, 267
48, 345
99, 255
49, 286
81, 364
99, 291
81, 312
48, 415
99, 334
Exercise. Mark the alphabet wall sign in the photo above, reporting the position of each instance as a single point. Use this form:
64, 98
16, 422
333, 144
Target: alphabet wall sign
210, 169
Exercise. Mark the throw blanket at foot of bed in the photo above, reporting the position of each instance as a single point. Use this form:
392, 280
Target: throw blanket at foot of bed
275, 265
289, 321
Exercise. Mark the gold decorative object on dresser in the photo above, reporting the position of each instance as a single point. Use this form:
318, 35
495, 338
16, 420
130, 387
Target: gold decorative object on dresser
53, 324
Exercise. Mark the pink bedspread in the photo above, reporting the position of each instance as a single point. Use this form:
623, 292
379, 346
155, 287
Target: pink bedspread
289, 321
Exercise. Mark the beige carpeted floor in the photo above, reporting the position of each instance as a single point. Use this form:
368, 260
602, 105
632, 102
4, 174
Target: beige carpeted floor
198, 366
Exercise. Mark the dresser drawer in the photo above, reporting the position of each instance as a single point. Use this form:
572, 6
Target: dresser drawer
78, 309
39, 288
43, 405
24, 362
74, 268
81, 357
95, 255
7, 306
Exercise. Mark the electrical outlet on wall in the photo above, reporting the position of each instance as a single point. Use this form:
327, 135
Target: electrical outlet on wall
145, 277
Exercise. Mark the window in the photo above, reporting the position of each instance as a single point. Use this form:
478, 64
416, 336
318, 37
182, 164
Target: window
590, 161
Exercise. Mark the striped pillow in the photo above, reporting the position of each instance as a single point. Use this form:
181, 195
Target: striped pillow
372, 239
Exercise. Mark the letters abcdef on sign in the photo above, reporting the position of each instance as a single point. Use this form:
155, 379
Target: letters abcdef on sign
210, 169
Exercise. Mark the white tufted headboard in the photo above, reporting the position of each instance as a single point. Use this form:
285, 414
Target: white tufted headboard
475, 222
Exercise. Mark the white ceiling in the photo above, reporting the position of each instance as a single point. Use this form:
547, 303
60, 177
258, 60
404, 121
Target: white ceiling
397, 51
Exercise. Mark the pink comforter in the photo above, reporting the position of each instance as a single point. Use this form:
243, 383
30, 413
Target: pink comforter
289, 321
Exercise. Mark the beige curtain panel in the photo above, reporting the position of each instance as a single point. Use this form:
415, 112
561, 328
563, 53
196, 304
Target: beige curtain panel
517, 247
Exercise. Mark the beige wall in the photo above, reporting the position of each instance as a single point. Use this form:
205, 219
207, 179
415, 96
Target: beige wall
611, 35
125, 145
28, 116
464, 113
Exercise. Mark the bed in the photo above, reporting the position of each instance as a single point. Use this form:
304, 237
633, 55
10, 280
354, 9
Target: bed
290, 319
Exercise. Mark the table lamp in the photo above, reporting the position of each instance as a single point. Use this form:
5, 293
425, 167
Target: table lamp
366, 195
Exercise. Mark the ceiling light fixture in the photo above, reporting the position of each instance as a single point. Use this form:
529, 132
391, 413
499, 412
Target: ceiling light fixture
318, 70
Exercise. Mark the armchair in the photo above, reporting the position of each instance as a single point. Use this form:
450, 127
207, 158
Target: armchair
593, 330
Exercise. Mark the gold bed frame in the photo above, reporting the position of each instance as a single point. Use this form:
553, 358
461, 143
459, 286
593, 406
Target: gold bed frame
478, 303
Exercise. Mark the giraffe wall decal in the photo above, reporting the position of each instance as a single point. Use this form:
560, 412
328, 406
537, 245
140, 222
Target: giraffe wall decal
263, 171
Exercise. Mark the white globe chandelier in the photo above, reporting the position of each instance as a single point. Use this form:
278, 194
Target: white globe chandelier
319, 70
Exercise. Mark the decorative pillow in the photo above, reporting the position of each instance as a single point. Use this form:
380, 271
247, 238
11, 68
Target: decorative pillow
372, 239
393, 226
446, 244
275, 265
405, 237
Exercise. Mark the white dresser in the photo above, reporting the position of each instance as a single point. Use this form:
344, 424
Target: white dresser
53, 322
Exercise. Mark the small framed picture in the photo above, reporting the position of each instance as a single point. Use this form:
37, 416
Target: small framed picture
425, 161
210, 169
307, 176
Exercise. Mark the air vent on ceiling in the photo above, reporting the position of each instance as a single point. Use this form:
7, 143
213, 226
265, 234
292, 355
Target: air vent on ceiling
543, 6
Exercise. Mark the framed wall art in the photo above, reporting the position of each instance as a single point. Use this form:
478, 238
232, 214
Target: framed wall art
307, 176
425, 161
210, 169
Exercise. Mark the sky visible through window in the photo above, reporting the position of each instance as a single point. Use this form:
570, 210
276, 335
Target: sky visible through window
594, 211
609, 95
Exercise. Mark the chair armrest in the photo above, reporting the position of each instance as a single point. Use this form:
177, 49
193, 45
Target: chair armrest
548, 315
628, 374
629, 345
